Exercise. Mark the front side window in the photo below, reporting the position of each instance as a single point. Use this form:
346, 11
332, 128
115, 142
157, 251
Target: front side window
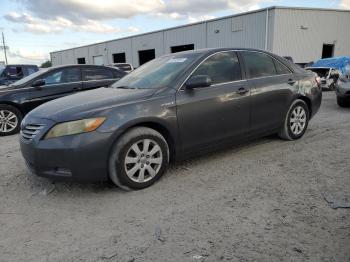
221, 68
96, 74
259, 64
62, 76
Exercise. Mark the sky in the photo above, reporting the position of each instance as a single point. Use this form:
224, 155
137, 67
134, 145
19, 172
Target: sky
34, 28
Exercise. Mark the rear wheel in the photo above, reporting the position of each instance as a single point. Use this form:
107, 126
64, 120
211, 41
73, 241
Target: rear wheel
341, 102
296, 121
138, 159
10, 120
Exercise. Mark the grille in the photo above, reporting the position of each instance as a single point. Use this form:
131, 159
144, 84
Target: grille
29, 132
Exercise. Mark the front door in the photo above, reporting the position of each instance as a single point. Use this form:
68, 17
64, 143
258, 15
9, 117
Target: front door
58, 83
218, 112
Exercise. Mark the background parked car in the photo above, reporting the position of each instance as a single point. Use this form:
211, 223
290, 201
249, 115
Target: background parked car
330, 69
169, 108
343, 90
12, 73
19, 98
124, 67
328, 76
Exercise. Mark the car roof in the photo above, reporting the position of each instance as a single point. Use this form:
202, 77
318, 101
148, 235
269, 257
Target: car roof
80, 65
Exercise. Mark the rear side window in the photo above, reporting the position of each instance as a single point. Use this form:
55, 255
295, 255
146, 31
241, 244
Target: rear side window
221, 68
281, 69
96, 74
259, 64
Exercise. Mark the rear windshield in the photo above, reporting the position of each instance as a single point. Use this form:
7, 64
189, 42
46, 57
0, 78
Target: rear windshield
321, 72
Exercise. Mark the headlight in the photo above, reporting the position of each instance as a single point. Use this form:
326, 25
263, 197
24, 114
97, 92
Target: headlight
75, 127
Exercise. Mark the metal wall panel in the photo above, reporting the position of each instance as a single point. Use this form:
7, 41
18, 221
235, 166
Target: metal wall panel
81, 52
227, 33
192, 34
145, 42
302, 33
99, 50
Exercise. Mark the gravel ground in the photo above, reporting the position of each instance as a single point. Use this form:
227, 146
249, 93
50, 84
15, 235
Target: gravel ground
263, 201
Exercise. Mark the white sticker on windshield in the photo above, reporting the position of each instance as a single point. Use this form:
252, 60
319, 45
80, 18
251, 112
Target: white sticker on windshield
177, 60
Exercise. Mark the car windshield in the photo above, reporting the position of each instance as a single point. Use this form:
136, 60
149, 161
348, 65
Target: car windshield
30, 77
158, 73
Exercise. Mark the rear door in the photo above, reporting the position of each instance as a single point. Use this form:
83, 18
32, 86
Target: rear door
215, 113
58, 83
272, 84
95, 77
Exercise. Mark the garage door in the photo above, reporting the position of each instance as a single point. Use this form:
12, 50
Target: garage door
98, 60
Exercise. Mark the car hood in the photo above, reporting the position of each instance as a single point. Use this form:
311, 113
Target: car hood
85, 104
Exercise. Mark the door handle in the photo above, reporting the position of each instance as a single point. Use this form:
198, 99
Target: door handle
291, 82
76, 88
242, 91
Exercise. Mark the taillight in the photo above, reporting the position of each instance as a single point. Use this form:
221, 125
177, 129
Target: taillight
318, 81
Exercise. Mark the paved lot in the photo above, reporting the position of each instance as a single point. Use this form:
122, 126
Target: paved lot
263, 201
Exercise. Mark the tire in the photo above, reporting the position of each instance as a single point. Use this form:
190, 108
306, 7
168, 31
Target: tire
152, 163
10, 120
341, 102
295, 123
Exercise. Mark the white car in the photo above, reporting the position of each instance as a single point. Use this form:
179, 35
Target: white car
329, 76
127, 68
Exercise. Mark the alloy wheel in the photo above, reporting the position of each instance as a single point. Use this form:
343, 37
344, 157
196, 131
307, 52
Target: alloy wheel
8, 121
143, 160
298, 120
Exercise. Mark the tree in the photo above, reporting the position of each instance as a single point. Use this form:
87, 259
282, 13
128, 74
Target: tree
46, 64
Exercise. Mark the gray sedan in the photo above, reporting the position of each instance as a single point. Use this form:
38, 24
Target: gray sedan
343, 91
168, 109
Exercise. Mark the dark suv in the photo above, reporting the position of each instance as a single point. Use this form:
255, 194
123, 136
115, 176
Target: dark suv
167, 109
12, 73
19, 98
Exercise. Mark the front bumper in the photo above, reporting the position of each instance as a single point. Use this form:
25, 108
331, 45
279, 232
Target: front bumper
80, 158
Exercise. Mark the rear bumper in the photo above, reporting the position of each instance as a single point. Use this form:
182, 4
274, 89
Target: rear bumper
79, 158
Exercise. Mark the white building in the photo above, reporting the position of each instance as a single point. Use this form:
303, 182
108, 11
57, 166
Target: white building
305, 34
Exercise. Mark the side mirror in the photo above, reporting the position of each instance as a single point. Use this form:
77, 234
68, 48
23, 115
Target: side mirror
199, 81
38, 83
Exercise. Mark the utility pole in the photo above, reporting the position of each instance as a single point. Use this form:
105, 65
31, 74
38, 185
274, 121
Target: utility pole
4, 46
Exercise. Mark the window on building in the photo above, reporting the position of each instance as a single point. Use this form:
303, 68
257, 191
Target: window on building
222, 68
181, 48
146, 56
119, 58
259, 64
327, 51
81, 61
96, 74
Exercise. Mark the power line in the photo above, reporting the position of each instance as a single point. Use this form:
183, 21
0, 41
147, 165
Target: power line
4, 47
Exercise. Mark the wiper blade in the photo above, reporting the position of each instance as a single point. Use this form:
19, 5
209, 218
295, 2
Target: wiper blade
125, 87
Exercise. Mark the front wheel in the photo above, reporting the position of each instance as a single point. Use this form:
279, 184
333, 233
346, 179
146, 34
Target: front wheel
138, 159
341, 102
296, 121
10, 120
